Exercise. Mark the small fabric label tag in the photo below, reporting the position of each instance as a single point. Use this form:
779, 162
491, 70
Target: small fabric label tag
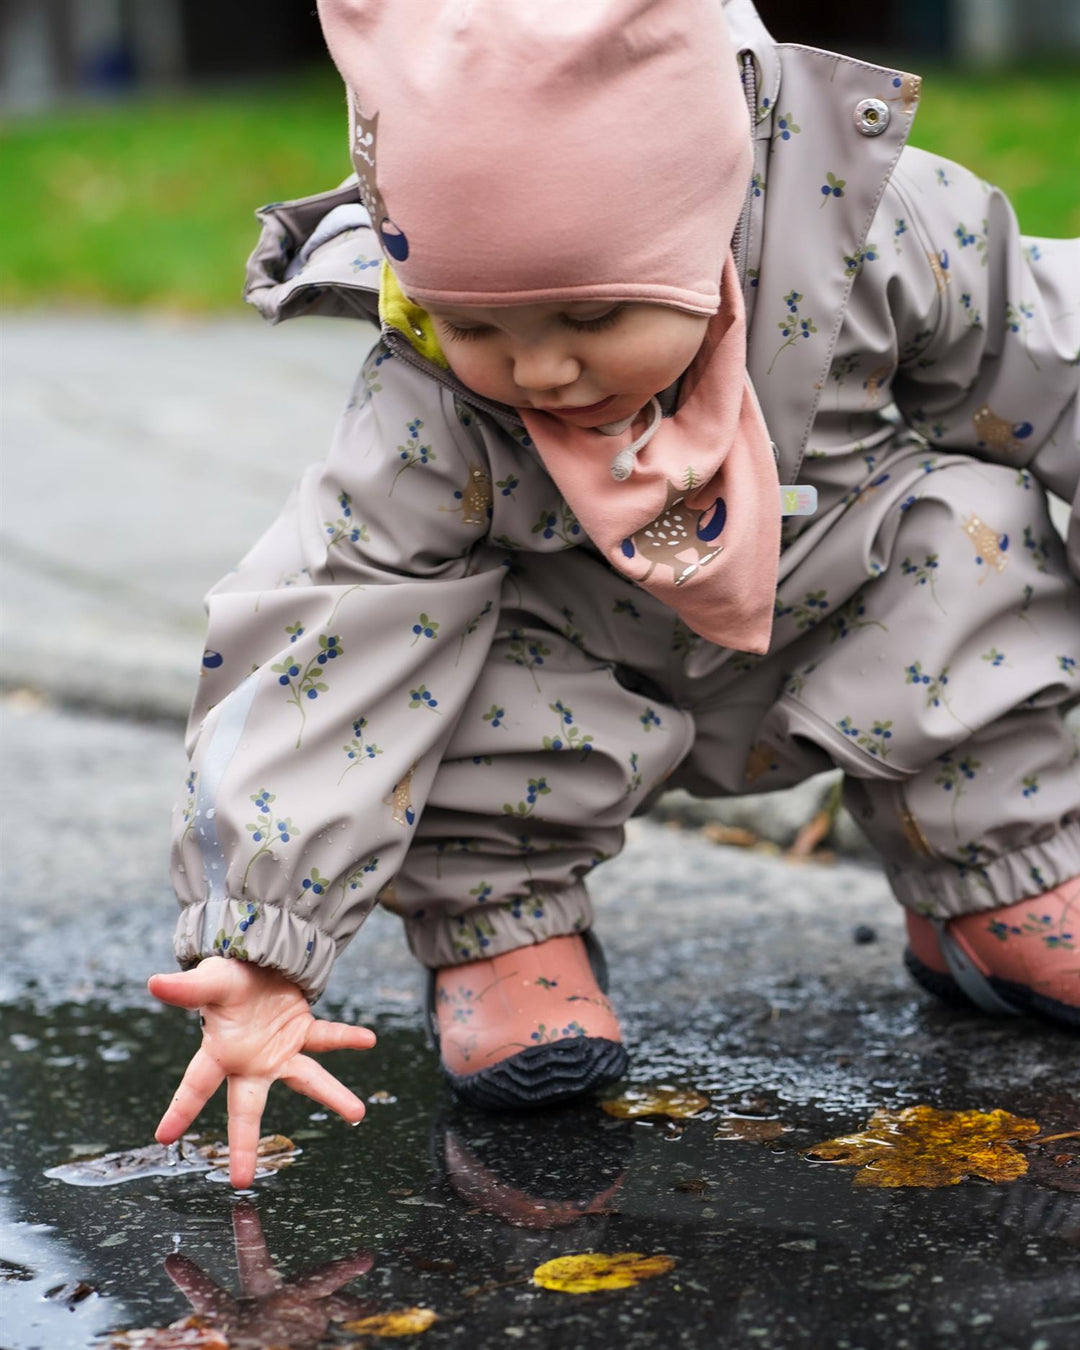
797, 499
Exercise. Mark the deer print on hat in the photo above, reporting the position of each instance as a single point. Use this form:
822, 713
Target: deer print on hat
364, 144
679, 529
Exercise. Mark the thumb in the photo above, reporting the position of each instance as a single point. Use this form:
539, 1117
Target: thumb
210, 982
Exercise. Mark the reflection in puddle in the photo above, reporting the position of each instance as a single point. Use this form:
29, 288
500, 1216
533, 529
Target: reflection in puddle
269, 1309
430, 1206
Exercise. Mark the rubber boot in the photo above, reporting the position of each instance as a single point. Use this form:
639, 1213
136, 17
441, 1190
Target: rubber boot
1022, 958
527, 1028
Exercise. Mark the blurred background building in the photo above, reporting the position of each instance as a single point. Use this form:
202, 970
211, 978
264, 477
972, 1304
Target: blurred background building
55, 50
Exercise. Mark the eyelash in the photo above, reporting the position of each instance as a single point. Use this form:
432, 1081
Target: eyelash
597, 325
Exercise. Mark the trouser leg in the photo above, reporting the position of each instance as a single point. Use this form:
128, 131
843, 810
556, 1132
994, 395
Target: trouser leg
550, 758
940, 687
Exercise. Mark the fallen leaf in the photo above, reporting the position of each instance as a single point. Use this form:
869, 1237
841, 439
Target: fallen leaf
70, 1294
404, 1322
734, 836
275, 1151
694, 1186
751, 1128
922, 1146
272, 1153
189, 1333
271, 1150
586, 1272
1054, 1160
814, 832
678, 1103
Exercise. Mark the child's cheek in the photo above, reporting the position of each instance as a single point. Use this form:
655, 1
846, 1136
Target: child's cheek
472, 368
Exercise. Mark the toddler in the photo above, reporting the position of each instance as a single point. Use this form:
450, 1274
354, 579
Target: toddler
706, 444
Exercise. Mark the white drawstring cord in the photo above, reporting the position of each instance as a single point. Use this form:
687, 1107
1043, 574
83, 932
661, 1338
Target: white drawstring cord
622, 466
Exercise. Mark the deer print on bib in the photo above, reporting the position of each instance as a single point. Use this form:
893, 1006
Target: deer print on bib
680, 537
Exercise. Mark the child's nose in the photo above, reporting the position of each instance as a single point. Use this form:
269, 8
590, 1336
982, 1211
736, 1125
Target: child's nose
539, 367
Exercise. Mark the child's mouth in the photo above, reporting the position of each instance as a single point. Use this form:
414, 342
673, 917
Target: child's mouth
583, 408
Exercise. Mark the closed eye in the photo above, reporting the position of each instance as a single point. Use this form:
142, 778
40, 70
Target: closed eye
456, 334
596, 325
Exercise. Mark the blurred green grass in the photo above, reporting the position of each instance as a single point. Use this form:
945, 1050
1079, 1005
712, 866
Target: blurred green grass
149, 203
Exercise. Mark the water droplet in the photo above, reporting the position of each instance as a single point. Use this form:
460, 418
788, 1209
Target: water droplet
211, 813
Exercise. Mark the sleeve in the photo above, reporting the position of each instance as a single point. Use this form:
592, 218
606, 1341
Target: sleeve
340, 655
988, 328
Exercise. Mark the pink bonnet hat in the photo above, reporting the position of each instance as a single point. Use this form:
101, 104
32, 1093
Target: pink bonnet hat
520, 151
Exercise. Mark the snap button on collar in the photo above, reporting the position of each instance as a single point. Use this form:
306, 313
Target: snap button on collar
872, 116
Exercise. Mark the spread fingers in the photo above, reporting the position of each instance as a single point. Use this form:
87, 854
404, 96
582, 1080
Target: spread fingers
323, 1036
306, 1076
198, 1085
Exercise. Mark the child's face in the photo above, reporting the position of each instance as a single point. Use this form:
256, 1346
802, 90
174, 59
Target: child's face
588, 362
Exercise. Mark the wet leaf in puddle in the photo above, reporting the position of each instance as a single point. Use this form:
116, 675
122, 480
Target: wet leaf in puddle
587, 1272
1054, 1160
189, 1333
70, 1294
678, 1103
11, 1272
275, 1151
404, 1322
923, 1146
131, 1165
754, 1129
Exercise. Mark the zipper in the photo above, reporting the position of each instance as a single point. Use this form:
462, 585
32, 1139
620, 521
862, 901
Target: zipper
742, 229
400, 345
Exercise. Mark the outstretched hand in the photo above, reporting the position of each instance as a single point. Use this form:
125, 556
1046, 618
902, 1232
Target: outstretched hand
256, 1026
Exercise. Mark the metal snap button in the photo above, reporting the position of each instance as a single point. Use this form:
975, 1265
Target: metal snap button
872, 116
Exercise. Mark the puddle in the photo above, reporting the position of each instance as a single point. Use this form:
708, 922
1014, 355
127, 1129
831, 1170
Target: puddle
429, 1208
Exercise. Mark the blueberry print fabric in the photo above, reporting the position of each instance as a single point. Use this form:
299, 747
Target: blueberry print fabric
426, 689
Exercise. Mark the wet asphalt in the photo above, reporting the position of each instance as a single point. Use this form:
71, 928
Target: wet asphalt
776, 989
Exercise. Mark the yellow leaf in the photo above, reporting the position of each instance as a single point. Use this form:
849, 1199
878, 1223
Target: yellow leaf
922, 1146
655, 1101
404, 1322
586, 1272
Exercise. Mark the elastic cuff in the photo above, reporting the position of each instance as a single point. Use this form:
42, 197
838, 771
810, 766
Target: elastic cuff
490, 930
251, 930
944, 891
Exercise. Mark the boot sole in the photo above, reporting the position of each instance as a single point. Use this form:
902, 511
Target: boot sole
1022, 998
543, 1075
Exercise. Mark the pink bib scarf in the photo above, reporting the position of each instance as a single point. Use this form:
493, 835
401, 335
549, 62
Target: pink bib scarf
697, 521
515, 152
